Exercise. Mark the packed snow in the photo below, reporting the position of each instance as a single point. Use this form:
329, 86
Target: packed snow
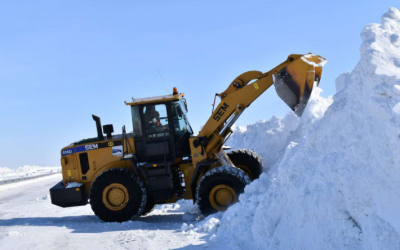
335, 172
26, 171
270, 138
29, 220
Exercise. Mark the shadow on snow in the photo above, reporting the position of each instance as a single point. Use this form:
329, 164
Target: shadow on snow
92, 224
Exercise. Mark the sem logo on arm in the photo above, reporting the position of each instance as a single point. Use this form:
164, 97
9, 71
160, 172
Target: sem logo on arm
220, 112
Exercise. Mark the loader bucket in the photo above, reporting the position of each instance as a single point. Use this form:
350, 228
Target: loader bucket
295, 82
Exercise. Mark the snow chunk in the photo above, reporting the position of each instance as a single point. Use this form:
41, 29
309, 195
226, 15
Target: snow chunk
209, 225
322, 62
73, 185
396, 108
46, 197
396, 89
393, 13
185, 227
13, 233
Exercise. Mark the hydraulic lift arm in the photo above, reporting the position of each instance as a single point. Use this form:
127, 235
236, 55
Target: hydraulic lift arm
294, 80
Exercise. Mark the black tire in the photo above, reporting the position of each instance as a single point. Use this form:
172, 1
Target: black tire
250, 162
229, 176
150, 206
134, 186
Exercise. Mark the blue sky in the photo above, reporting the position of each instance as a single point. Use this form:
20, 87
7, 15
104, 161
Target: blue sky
62, 61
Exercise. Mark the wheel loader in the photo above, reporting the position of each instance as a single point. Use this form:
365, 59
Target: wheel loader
124, 176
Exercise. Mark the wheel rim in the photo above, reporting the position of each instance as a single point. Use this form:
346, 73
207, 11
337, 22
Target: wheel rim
246, 170
222, 196
115, 197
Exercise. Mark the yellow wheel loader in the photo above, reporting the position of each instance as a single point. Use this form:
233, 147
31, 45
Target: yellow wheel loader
125, 176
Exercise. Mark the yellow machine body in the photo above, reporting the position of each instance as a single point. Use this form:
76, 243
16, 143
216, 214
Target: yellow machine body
190, 158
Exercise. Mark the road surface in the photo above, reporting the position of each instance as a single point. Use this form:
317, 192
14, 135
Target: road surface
28, 220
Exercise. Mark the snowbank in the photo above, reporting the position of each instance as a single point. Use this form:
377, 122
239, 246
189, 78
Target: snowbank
337, 169
270, 138
26, 171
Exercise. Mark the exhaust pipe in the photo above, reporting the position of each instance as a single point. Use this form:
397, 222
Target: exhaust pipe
100, 135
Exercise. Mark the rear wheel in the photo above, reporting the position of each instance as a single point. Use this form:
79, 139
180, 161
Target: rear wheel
248, 161
220, 188
118, 195
150, 206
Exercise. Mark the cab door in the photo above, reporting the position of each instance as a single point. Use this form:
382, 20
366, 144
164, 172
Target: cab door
182, 129
157, 132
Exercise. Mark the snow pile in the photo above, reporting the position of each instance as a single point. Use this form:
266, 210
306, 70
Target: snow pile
5, 170
270, 138
338, 179
26, 171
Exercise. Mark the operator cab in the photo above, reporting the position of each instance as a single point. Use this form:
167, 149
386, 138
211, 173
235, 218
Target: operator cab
161, 129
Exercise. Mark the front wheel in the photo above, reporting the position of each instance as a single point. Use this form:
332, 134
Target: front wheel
220, 188
118, 195
248, 161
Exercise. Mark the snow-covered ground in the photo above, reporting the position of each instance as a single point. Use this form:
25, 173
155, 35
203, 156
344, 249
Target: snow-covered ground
28, 220
26, 171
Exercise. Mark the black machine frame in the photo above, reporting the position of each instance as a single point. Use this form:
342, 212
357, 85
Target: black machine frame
155, 168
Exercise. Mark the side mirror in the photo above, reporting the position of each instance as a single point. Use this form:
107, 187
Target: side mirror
185, 104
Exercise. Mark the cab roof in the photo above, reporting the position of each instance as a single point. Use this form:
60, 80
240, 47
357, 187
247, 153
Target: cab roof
155, 99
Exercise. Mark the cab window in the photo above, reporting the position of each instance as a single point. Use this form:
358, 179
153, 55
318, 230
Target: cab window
156, 120
137, 126
180, 121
